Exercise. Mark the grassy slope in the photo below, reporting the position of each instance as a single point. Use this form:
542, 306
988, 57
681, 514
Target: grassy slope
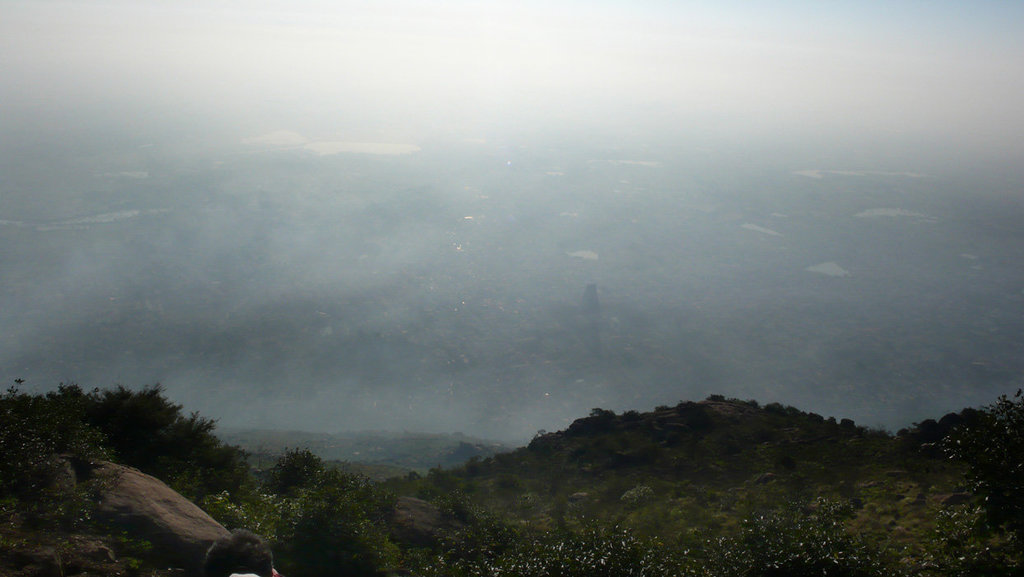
696, 470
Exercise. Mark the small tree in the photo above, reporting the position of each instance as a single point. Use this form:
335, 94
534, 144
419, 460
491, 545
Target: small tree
148, 431
992, 447
35, 428
337, 527
296, 469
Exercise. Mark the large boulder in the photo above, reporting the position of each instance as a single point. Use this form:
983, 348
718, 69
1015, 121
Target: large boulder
180, 531
418, 523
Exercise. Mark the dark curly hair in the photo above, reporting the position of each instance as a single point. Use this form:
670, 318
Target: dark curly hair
242, 552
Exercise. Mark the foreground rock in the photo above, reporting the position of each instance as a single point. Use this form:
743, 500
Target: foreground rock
419, 523
180, 531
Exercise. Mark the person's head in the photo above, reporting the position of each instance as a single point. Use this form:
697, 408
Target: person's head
243, 552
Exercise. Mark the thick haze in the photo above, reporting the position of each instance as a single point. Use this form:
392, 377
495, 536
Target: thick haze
356, 215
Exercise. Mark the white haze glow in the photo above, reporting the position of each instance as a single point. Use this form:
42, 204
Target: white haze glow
409, 70
334, 215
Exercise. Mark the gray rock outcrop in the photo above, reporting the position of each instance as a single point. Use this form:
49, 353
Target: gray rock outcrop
179, 530
419, 523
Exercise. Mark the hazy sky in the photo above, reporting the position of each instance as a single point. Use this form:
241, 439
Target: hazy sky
408, 70
192, 192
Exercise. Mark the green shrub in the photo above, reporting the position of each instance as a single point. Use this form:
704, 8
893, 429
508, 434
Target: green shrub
638, 495
592, 552
964, 546
146, 430
992, 447
337, 527
483, 536
321, 522
138, 428
793, 543
296, 469
34, 429
264, 514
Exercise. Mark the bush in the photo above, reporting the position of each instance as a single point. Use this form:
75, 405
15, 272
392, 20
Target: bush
963, 546
337, 526
992, 447
793, 543
263, 514
34, 429
137, 428
321, 522
592, 552
638, 495
482, 537
296, 469
147, 431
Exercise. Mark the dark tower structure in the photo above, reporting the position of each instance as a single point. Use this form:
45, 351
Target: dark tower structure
591, 306
590, 320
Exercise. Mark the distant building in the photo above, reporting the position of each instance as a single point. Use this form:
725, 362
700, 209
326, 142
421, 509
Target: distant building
590, 303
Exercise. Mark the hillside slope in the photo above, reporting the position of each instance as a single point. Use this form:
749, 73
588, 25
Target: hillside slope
699, 468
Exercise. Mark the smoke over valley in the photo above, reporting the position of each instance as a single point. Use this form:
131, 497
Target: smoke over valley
288, 236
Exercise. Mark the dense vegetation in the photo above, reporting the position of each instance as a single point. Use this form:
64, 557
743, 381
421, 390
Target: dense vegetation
717, 488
